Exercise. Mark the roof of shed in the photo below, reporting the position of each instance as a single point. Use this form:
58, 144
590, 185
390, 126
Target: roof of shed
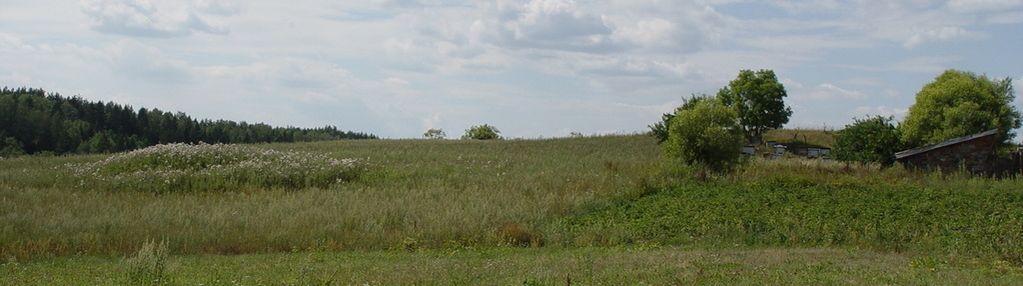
950, 142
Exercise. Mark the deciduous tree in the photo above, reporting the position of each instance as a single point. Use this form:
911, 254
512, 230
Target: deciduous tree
759, 99
959, 103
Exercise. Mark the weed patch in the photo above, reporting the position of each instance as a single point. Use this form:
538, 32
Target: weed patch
202, 167
148, 266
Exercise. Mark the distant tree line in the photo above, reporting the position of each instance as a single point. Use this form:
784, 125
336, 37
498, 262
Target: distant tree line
32, 121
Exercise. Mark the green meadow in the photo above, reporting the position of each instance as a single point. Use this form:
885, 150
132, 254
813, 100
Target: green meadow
594, 210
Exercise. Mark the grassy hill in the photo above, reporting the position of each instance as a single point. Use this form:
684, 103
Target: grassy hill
590, 210
817, 137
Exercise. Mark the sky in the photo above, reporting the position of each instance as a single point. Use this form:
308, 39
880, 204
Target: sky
539, 68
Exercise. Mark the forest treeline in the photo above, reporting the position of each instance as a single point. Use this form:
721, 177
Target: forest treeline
33, 121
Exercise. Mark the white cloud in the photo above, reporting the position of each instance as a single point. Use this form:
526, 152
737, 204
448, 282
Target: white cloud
943, 34
984, 5
396, 67
138, 61
543, 24
10, 42
1007, 18
831, 91
867, 111
142, 18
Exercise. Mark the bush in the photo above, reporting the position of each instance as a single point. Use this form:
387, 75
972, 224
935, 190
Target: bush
10, 147
184, 167
868, 140
708, 134
482, 132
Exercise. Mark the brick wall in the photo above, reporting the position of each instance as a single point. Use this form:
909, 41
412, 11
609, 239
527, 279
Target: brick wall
977, 156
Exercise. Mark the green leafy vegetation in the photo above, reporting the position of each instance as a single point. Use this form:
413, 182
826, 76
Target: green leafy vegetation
707, 134
482, 132
959, 103
821, 206
595, 210
32, 121
870, 140
660, 129
759, 99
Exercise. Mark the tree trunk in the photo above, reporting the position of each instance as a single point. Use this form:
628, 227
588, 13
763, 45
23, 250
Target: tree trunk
756, 137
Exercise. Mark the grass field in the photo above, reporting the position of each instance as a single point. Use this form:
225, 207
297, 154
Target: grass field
599, 210
508, 266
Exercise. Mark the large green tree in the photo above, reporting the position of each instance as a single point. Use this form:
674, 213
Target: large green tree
759, 99
959, 103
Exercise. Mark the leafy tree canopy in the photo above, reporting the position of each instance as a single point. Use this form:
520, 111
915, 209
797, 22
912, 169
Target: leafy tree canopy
706, 134
660, 129
759, 99
434, 133
959, 103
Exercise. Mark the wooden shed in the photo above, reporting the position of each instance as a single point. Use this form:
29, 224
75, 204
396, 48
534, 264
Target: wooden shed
975, 153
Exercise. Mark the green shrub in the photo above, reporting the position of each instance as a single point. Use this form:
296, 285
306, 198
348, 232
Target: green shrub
184, 167
708, 134
482, 132
149, 265
868, 140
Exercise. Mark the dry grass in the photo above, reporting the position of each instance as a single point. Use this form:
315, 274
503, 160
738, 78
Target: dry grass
819, 137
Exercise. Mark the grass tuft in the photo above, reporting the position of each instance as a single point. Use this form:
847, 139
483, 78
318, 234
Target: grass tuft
148, 266
519, 235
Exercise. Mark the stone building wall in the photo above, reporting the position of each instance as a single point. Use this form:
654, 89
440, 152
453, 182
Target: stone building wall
977, 156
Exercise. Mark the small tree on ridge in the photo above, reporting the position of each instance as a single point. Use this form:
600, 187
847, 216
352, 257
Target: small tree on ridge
759, 99
482, 132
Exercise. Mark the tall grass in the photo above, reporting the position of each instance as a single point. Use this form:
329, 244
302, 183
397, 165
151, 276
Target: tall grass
437, 193
148, 266
421, 194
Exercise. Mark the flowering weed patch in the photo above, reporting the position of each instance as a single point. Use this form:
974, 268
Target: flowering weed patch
204, 167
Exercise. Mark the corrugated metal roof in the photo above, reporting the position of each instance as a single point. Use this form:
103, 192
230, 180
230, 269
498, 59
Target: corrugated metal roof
953, 141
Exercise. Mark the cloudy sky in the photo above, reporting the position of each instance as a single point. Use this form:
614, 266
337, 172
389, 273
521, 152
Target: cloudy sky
531, 68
